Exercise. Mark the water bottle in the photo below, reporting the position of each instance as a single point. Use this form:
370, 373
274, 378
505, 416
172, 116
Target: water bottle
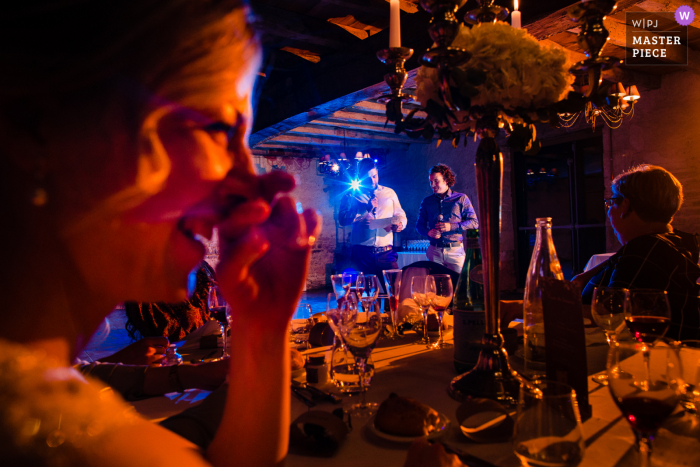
544, 263
171, 357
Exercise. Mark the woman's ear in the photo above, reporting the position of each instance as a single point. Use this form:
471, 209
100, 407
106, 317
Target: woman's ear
153, 161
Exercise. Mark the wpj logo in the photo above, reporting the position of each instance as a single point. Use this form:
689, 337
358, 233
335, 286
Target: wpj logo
659, 38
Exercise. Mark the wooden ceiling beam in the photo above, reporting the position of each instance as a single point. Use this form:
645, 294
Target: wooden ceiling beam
293, 141
348, 134
294, 26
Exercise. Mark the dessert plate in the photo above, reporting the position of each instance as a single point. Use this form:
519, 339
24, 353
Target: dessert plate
440, 429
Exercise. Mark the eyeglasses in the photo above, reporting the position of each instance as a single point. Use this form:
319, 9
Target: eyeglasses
610, 201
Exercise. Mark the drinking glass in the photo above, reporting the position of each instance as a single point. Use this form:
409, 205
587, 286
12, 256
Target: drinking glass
360, 334
338, 288
392, 279
645, 382
608, 311
548, 426
347, 282
422, 289
360, 285
217, 306
301, 323
440, 301
690, 365
648, 314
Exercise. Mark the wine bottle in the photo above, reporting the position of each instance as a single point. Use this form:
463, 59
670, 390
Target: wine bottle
544, 263
468, 308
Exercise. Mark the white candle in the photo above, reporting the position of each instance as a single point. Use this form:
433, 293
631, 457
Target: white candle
395, 24
515, 16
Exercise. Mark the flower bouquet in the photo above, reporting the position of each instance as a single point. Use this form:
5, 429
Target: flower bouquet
510, 81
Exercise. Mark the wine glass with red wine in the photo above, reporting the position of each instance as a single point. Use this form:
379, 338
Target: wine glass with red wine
647, 314
392, 280
646, 383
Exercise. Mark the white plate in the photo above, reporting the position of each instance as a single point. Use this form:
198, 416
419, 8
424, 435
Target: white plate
441, 428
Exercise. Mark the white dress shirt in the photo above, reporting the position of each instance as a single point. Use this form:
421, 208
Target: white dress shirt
388, 206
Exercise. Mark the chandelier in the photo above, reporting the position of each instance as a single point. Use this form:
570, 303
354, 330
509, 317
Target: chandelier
462, 98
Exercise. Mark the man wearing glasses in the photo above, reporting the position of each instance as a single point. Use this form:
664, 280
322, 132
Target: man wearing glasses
654, 255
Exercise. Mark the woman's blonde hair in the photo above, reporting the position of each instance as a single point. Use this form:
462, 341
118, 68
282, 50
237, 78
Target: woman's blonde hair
654, 193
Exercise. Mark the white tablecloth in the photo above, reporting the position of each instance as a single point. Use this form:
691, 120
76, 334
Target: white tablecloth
413, 371
596, 260
410, 257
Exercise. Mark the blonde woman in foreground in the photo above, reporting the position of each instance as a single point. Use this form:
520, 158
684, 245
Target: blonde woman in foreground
123, 129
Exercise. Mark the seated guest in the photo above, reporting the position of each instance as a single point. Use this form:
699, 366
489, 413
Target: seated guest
172, 320
654, 255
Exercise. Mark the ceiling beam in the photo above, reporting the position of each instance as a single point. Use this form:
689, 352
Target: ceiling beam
293, 141
559, 21
348, 134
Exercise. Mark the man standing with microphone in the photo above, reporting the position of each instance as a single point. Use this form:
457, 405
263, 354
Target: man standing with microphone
375, 214
444, 216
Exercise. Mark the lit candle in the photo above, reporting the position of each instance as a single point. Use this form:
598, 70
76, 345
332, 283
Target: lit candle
395, 24
515, 16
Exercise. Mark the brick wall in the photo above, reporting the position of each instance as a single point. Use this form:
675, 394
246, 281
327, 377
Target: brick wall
665, 132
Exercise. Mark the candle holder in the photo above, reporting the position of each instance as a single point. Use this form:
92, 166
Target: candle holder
486, 13
395, 58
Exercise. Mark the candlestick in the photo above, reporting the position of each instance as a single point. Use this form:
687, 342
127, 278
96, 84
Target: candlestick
395, 24
515, 16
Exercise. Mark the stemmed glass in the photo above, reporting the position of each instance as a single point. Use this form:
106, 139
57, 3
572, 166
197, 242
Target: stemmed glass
645, 382
338, 285
548, 425
301, 323
360, 334
422, 290
347, 282
371, 290
648, 314
216, 304
608, 311
360, 285
690, 364
392, 279
440, 301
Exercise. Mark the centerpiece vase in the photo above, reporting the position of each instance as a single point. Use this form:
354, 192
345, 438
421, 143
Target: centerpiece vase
492, 377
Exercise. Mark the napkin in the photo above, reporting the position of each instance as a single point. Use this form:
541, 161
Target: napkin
193, 339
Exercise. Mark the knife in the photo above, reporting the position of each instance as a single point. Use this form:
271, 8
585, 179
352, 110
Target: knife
299, 395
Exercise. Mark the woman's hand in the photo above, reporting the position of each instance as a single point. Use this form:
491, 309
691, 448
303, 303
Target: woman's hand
264, 247
422, 454
147, 351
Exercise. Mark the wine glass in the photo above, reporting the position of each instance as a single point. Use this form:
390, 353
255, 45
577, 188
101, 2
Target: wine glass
648, 314
608, 311
440, 301
301, 323
347, 281
645, 382
360, 285
392, 279
690, 365
422, 289
338, 285
371, 289
217, 306
548, 425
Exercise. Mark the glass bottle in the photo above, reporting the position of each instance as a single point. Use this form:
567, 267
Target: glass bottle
544, 263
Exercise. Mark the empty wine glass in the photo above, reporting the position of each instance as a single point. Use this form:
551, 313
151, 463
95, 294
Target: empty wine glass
648, 314
440, 301
347, 281
360, 285
338, 285
608, 311
392, 279
217, 310
548, 426
422, 289
361, 335
690, 365
301, 323
645, 382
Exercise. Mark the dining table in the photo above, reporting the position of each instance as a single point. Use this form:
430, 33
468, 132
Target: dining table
407, 368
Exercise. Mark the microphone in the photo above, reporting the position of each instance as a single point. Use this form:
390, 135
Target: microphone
439, 219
